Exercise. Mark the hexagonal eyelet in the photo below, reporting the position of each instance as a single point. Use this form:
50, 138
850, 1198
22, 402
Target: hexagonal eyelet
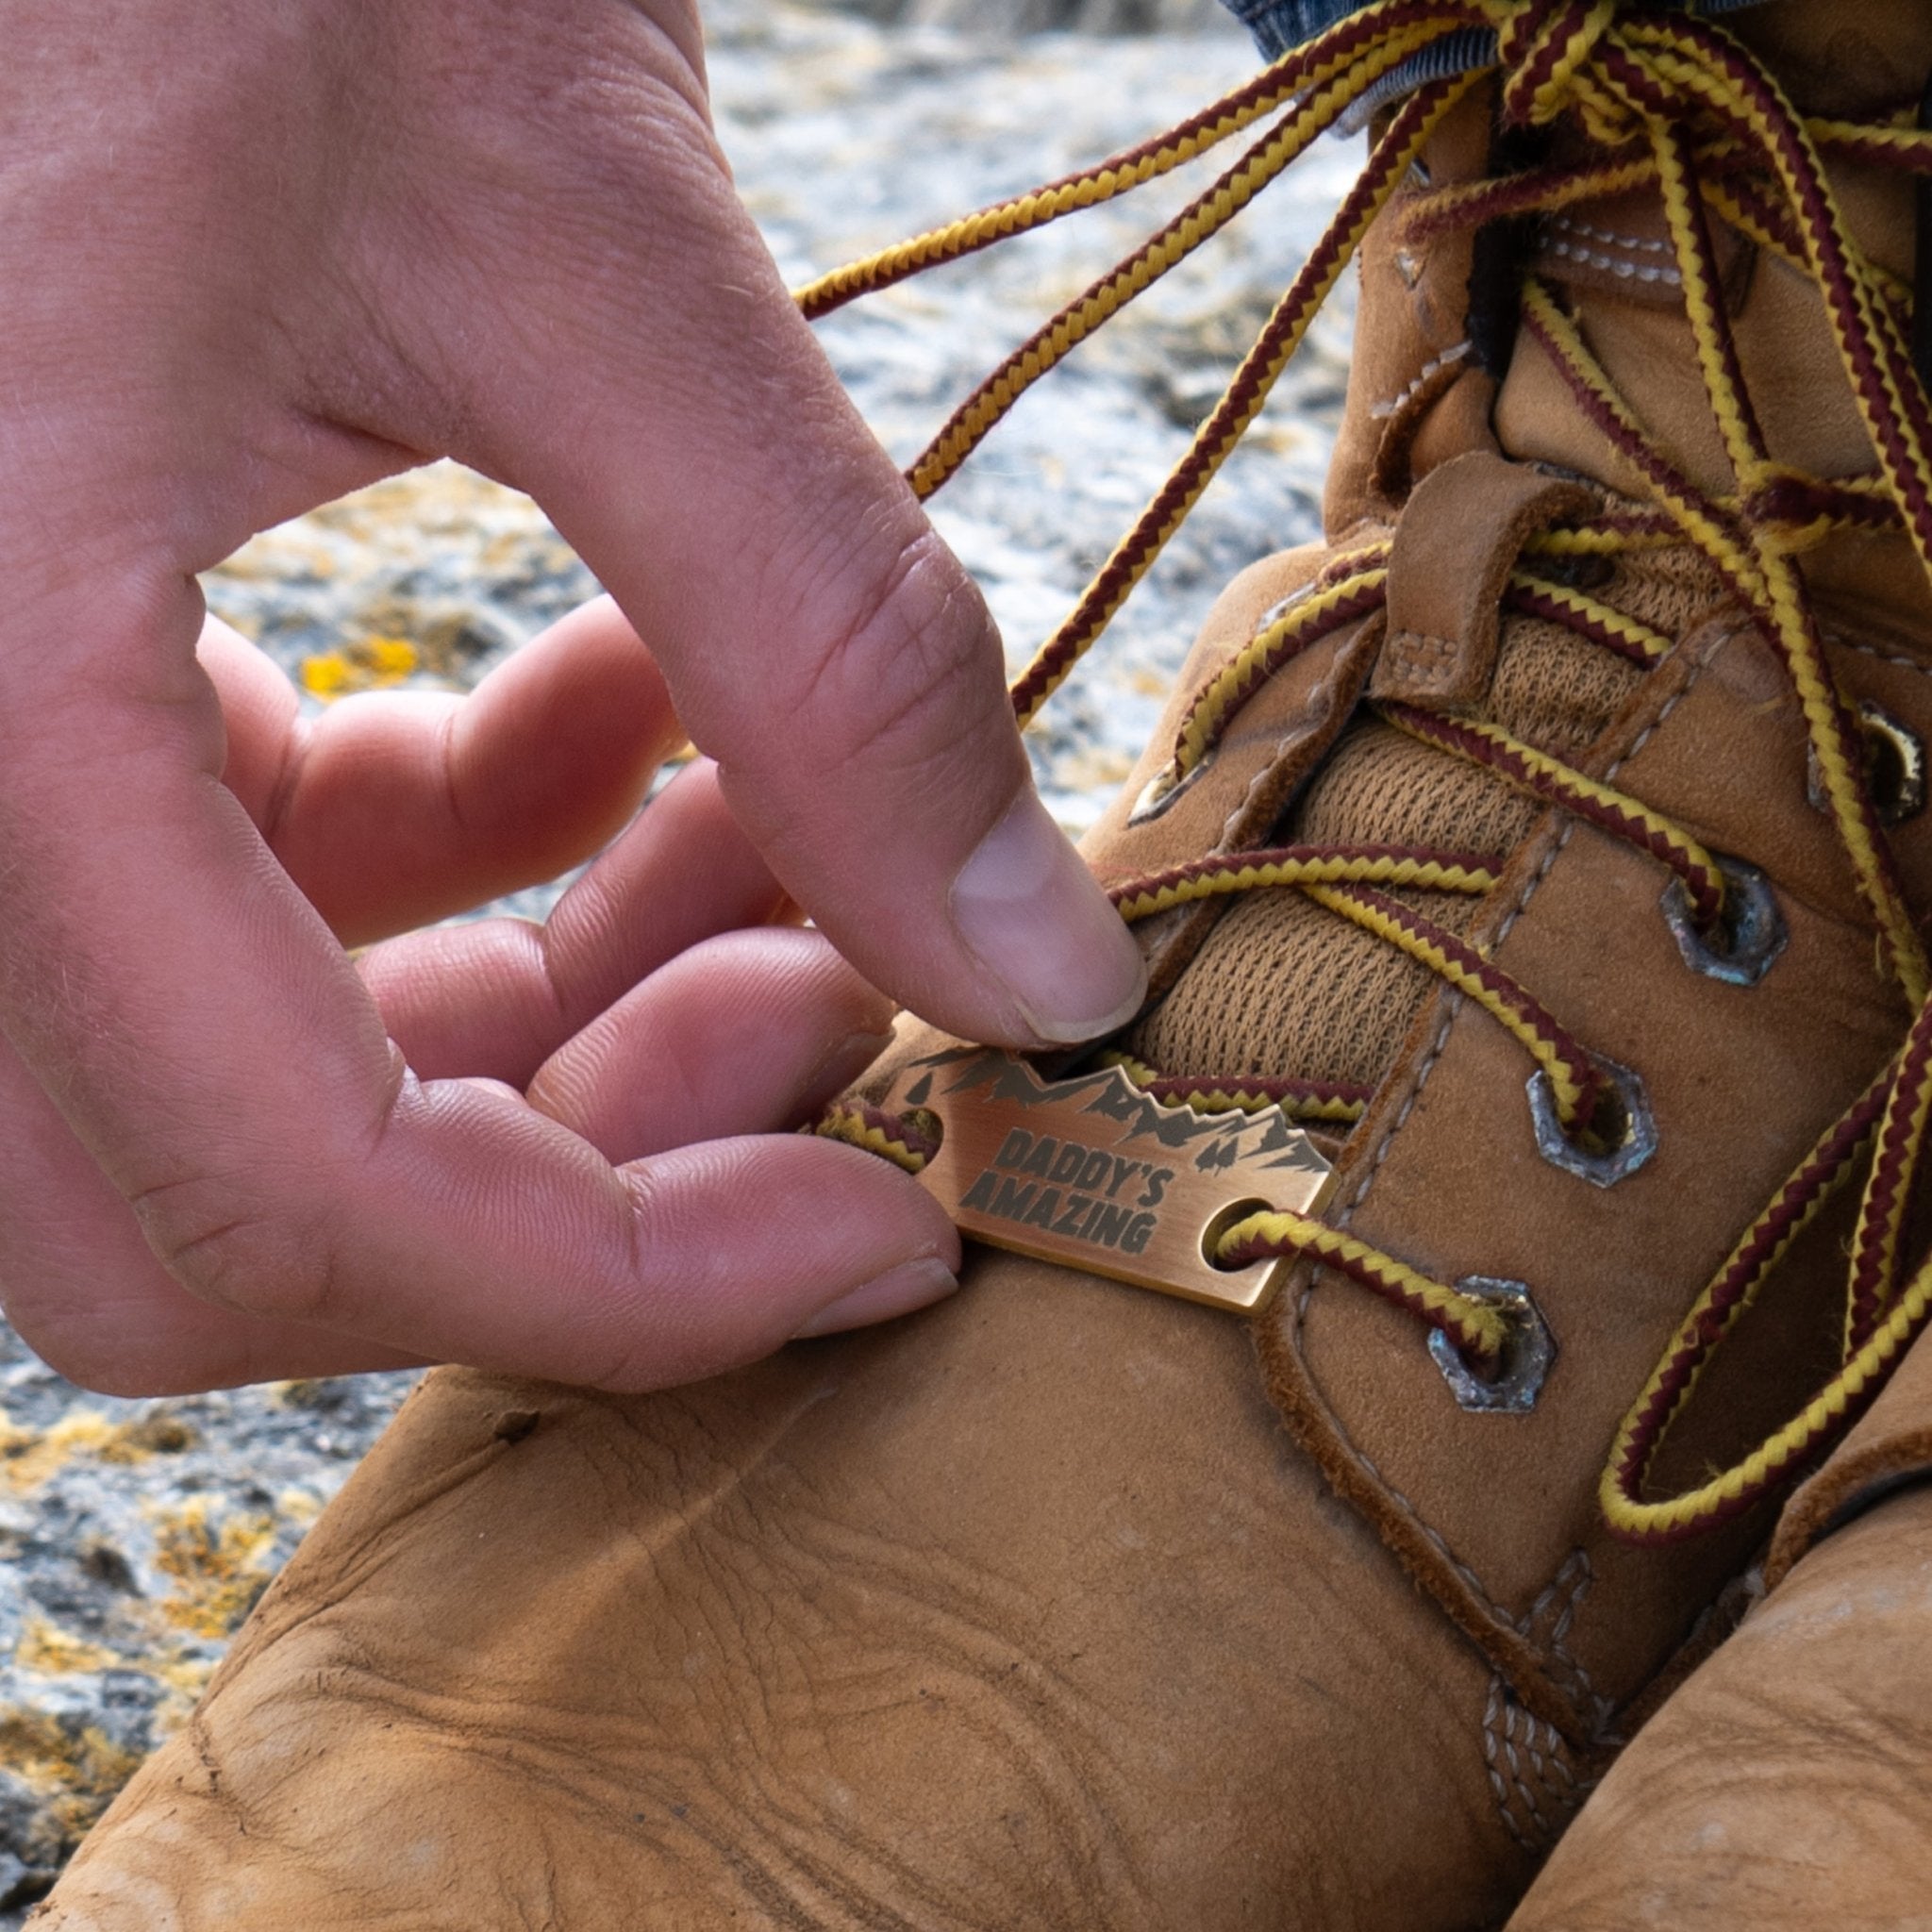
1602, 1168
1754, 928
1514, 1387
1894, 766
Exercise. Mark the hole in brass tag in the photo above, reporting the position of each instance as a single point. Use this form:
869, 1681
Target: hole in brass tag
1216, 1230
1091, 1172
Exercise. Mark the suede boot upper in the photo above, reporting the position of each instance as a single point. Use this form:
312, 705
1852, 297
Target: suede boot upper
1046, 1608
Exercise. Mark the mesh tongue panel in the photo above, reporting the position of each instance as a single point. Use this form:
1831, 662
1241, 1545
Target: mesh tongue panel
1283, 985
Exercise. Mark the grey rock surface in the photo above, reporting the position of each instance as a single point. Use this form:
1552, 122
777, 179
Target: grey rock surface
135, 1534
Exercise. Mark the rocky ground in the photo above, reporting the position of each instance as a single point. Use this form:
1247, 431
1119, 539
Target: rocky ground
135, 1534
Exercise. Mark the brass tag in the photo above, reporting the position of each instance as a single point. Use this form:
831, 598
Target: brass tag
1091, 1172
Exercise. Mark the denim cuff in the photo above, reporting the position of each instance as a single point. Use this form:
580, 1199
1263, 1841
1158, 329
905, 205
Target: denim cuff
1279, 24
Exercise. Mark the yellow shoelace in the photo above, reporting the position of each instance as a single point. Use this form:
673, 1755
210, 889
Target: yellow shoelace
1676, 106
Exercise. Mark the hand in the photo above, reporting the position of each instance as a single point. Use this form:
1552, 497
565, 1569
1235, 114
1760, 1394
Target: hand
262, 252
652, 1009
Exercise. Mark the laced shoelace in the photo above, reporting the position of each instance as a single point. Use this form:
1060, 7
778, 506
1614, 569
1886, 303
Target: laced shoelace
1676, 105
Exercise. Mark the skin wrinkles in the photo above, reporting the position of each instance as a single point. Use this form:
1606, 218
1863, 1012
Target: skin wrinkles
366, 236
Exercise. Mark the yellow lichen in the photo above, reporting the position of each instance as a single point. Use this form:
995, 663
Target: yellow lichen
80, 1768
373, 664
299, 1505
219, 1568
156, 1433
325, 676
29, 1456
55, 1653
179, 1666
187, 1677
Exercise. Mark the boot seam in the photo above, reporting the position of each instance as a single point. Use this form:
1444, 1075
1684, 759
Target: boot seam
1839, 641
1550, 1683
1525, 895
1563, 1787
1320, 702
1393, 405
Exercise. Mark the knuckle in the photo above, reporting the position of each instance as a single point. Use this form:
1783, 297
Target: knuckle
910, 671
229, 1247
670, 1247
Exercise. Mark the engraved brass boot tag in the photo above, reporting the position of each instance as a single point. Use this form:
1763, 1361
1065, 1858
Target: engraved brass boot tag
1092, 1174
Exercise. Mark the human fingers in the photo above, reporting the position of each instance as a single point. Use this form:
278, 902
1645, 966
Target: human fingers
214, 1052
496, 997
507, 233
84, 1290
659, 392
395, 809
749, 1032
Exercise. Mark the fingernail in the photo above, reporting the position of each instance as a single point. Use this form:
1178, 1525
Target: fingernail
1034, 916
897, 1291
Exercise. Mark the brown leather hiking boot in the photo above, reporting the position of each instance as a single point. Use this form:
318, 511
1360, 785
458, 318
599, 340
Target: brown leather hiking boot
1546, 854
1785, 1787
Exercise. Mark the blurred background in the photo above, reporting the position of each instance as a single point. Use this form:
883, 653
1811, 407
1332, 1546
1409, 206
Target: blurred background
134, 1535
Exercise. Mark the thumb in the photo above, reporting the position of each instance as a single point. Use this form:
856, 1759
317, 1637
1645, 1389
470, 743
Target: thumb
686, 435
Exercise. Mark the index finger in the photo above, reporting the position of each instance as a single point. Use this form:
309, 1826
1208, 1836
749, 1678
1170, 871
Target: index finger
685, 432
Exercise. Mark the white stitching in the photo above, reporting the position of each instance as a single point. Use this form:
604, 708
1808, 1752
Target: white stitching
1527, 1792
1574, 1574
1501, 1716
1504, 1808
1433, 367
1530, 887
1637, 243
1626, 271
1877, 655
1452, 1008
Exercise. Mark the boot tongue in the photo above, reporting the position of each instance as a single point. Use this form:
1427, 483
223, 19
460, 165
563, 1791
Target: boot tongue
1613, 263
1283, 985
1857, 59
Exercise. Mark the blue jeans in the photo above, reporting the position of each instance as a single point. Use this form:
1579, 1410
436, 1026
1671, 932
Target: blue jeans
1279, 24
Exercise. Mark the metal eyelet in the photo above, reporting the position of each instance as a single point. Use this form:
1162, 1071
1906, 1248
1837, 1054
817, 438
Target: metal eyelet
1754, 927
1896, 756
1162, 790
1527, 1355
1607, 1168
